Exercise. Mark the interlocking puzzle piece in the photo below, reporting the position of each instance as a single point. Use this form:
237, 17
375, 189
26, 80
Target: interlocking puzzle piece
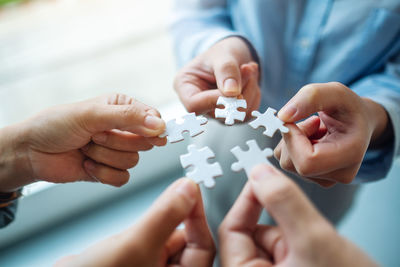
203, 170
230, 112
269, 121
248, 159
191, 124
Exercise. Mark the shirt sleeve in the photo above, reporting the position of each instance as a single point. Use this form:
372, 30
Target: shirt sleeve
198, 24
7, 214
384, 88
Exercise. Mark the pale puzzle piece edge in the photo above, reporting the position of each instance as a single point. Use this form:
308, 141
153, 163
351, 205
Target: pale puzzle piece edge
231, 104
255, 159
276, 122
172, 126
187, 161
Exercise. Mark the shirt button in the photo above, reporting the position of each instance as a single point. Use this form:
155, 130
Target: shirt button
305, 43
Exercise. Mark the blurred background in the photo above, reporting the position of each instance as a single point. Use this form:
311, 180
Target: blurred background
60, 51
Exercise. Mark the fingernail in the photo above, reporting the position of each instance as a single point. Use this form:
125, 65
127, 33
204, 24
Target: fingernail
100, 138
231, 85
260, 172
188, 189
287, 112
153, 122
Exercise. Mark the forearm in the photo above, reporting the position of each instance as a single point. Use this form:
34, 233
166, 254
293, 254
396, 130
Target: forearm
14, 163
196, 26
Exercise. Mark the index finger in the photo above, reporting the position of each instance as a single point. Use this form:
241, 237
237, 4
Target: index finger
237, 244
286, 203
167, 212
193, 88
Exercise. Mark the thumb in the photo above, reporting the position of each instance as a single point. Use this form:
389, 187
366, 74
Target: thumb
137, 118
167, 212
312, 98
227, 74
286, 203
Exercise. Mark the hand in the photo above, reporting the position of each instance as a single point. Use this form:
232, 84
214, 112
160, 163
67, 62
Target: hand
302, 236
330, 147
153, 241
94, 140
227, 66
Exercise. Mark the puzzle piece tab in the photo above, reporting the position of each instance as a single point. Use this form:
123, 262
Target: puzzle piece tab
249, 159
202, 170
191, 124
230, 112
269, 121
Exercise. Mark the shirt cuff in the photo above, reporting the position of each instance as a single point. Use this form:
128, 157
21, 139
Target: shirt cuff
378, 162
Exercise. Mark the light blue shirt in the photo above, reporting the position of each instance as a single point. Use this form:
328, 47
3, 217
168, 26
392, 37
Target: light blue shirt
355, 42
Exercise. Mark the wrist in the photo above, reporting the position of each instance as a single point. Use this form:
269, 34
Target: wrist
379, 119
15, 170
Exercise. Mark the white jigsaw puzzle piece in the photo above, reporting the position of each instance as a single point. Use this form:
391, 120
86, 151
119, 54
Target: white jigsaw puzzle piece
269, 121
203, 171
191, 123
249, 159
230, 112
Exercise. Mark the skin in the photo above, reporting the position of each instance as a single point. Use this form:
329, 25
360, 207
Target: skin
154, 241
226, 69
302, 237
95, 140
328, 148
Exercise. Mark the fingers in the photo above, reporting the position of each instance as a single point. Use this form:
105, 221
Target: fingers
327, 97
227, 74
134, 117
167, 212
313, 159
309, 127
105, 174
271, 240
236, 231
126, 141
200, 249
251, 89
113, 158
290, 208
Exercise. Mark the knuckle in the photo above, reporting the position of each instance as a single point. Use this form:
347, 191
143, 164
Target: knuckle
132, 112
306, 166
319, 233
228, 66
280, 192
223, 231
312, 91
191, 106
277, 153
285, 164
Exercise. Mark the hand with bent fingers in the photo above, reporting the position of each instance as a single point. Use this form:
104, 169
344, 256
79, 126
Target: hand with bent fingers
302, 236
330, 147
153, 241
227, 69
94, 140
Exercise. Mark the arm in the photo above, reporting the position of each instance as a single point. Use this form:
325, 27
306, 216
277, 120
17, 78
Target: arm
154, 240
96, 140
220, 58
301, 236
197, 25
384, 89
